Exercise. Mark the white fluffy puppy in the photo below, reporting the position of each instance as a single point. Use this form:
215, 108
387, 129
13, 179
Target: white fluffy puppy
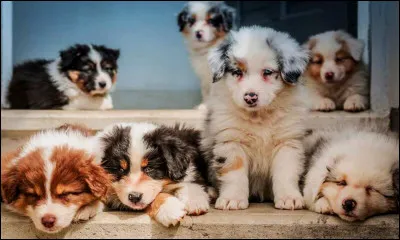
253, 131
354, 172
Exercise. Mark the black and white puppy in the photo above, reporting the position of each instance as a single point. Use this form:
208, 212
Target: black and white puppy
253, 130
204, 25
81, 78
157, 168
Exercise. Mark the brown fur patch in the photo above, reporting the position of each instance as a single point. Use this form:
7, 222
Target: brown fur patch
123, 163
74, 76
77, 127
346, 59
114, 78
314, 67
159, 200
235, 165
144, 163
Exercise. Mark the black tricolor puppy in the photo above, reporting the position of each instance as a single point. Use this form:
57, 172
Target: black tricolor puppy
80, 78
155, 167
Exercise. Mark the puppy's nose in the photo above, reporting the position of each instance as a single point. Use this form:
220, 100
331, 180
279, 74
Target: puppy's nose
349, 205
135, 197
250, 98
329, 75
49, 220
199, 34
102, 84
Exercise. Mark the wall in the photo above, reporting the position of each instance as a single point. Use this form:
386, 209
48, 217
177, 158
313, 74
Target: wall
153, 55
363, 26
6, 44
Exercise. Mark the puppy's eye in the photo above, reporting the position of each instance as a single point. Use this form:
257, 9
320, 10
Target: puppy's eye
316, 61
237, 73
109, 69
32, 195
342, 183
369, 189
191, 20
146, 170
339, 60
267, 72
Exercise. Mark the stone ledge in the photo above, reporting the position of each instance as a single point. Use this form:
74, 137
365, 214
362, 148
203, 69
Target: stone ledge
33, 120
259, 221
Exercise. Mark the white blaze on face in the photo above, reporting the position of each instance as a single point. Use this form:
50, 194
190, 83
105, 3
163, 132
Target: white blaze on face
102, 78
63, 214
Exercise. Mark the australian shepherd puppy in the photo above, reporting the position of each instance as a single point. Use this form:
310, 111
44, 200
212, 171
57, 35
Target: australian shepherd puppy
353, 172
204, 25
81, 78
253, 132
336, 76
155, 167
53, 179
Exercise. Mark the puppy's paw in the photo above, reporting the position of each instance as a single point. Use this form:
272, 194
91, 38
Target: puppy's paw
201, 107
88, 212
355, 103
289, 202
171, 212
325, 105
198, 205
107, 103
322, 206
231, 204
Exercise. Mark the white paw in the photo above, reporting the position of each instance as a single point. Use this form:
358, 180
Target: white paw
107, 103
289, 202
355, 103
322, 206
88, 212
325, 105
198, 205
201, 107
171, 212
226, 204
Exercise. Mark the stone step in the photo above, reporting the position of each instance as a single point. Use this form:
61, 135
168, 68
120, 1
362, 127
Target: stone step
32, 120
258, 221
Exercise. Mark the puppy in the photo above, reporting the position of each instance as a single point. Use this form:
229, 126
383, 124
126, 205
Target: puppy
204, 25
253, 130
336, 76
53, 179
353, 172
81, 78
157, 168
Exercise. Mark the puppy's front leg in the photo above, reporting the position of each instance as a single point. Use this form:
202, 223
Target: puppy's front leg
232, 173
355, 103
89, 211
166, 209
194, 197
287, 166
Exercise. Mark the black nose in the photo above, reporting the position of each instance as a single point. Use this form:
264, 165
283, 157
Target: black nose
250, 98
349, 205
48, 220
329, 75
102, 84
135, 197
199, 34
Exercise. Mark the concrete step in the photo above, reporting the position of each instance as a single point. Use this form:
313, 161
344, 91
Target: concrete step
32, 120
259, 221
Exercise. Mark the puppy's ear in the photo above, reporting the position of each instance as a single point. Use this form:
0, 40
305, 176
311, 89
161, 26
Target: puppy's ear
182, 18
310, 44
96, 178
115, 53
218, 60
354, 46
292, 58
228, 17
9, 185
69, 55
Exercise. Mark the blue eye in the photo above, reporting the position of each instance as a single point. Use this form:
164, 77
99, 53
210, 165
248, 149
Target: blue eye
267, 72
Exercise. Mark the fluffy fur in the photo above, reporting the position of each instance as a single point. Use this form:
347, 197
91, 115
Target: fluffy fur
53, 179
203, 26
81, 78
253, 130
353, 171
336, 76
155, 167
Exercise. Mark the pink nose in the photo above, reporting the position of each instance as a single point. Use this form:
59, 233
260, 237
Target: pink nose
49, 220
329, 75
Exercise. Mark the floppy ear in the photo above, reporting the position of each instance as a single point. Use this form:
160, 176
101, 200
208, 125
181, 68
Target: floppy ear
97, 178
9, 185
114, 52
355, 46
69, 55
182, 18
292, 58
228, 16
218, 60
